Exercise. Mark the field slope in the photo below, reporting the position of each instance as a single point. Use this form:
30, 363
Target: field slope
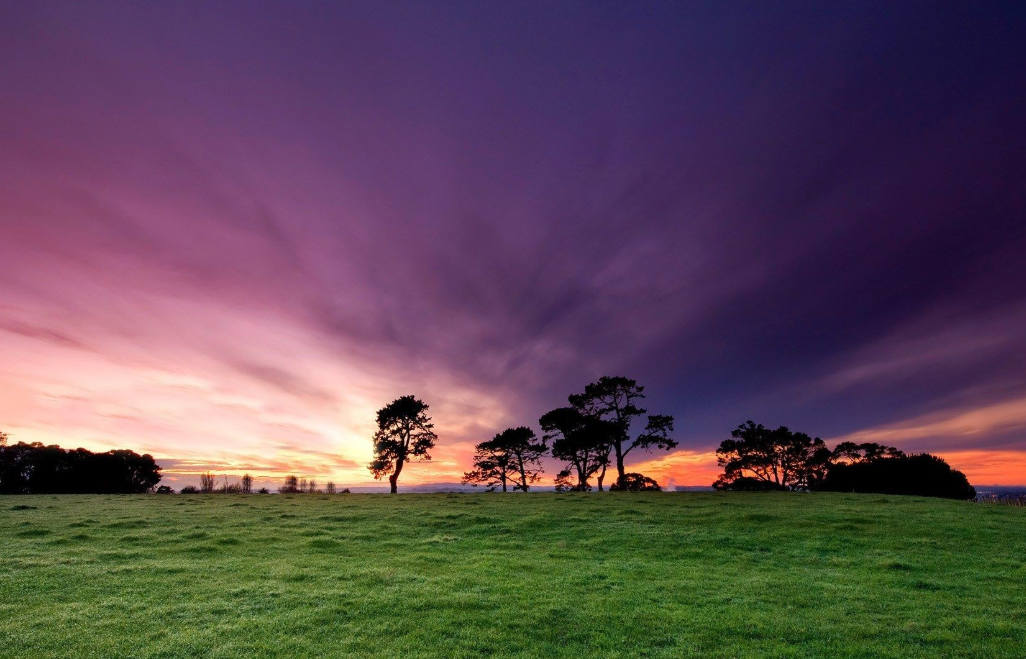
539, 575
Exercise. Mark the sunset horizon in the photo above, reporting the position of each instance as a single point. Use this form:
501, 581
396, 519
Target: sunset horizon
229, 237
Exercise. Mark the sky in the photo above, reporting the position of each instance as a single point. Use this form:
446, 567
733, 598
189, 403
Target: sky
230, 231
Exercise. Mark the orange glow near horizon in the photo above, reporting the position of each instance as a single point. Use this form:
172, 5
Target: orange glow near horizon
270, 399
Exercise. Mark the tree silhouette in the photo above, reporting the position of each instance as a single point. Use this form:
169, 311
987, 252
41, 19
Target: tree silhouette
38, 469
405, 433
247, 484
580, 440
773, 459
615, 399
921, 474
511, 458
207, 482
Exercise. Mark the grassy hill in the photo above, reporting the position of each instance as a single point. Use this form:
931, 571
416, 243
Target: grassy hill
539, 575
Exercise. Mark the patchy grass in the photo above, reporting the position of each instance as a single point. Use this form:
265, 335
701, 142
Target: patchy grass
539, 575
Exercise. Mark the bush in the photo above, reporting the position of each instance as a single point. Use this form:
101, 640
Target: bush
633, 482
190, 489
165, 489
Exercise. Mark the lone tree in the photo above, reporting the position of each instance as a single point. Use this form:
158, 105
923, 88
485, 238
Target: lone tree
511, 458
404, 433
615, 399
580, 440
757, 457
290, 486
208, 481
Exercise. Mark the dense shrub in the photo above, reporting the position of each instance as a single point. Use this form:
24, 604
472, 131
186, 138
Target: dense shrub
923, 475
634, 482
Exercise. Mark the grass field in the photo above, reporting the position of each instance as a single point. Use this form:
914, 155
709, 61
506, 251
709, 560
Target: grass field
539, 575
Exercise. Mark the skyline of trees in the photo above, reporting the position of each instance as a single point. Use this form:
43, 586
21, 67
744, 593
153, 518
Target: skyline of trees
757, 458
615, 399
588, 436
48, 469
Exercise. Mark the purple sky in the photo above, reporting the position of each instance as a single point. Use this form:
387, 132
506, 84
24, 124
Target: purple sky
231, 230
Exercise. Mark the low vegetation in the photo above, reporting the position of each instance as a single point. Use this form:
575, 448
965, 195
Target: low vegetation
527, 575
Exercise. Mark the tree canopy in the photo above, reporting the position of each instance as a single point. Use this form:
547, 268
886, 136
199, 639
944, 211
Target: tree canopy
580, 440
405, 433
616, 399
511, 459
38, 469
858, 453
921, 474
757, 458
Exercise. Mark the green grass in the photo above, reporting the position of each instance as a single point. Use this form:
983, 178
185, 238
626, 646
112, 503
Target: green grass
540, 575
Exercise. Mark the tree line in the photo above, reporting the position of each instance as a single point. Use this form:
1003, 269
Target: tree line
759, 458
209, 484
601, 426
595, 431
38, 469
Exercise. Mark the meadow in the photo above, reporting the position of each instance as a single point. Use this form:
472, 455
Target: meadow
536, 575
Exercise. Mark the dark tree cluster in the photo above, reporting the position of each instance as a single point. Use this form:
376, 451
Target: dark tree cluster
757, 458
921, 474
39, 469
598, 429
510, 460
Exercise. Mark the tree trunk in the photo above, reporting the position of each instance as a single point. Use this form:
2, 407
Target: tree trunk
619, 460
393, 480
582, 479
602, 477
